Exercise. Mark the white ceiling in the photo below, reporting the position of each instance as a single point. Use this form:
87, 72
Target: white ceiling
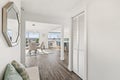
49, 7
41, 27
50, 11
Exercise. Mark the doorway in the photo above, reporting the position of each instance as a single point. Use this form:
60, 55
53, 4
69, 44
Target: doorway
44, 39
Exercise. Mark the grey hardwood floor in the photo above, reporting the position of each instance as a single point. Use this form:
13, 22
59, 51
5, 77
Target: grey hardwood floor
50, 67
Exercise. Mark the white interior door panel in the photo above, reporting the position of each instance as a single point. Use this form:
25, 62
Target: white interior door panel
79, 45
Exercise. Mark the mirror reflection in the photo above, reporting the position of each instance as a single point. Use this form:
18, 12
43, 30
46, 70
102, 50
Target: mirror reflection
12, 25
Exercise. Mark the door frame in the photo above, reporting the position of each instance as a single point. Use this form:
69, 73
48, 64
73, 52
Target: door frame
86, 44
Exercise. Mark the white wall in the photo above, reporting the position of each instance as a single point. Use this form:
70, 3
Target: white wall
104, 40
7, 53
103, 22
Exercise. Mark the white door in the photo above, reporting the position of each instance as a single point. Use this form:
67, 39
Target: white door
75, 46
79, 45
82, 43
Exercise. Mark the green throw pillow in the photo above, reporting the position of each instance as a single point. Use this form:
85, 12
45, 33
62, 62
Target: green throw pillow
11, 73
21, 70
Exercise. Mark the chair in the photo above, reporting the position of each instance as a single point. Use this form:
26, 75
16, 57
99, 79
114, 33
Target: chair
33, 47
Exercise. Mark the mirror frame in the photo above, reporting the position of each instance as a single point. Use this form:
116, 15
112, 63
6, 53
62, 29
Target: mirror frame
5, 10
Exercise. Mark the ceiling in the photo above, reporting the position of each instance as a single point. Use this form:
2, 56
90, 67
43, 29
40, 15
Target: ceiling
41, 27
49, 7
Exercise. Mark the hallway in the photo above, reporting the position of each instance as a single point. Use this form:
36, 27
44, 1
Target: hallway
50, 67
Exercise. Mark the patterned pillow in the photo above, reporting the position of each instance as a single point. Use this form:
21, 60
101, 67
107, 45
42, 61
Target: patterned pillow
11, 73
21, 70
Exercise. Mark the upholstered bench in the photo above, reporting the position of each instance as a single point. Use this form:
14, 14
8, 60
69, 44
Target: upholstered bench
33, 73
17, 71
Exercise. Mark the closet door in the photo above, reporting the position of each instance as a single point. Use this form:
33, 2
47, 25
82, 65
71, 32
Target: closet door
79, 45
75, 45
81, 50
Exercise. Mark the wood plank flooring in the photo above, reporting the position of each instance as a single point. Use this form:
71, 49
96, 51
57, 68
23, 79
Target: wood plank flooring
50, 67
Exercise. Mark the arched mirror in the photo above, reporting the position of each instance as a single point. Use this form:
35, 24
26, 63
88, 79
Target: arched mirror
11, 24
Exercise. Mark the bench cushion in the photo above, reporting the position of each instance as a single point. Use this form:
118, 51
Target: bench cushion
33, 73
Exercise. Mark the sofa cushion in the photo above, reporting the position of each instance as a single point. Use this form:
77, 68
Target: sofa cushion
11, 73
21, 70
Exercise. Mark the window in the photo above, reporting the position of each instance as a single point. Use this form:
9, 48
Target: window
54, 35
32, 36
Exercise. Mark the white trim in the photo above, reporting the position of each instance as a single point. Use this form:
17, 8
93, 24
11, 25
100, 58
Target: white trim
86, 47
70, 66
62, 44
23, 43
